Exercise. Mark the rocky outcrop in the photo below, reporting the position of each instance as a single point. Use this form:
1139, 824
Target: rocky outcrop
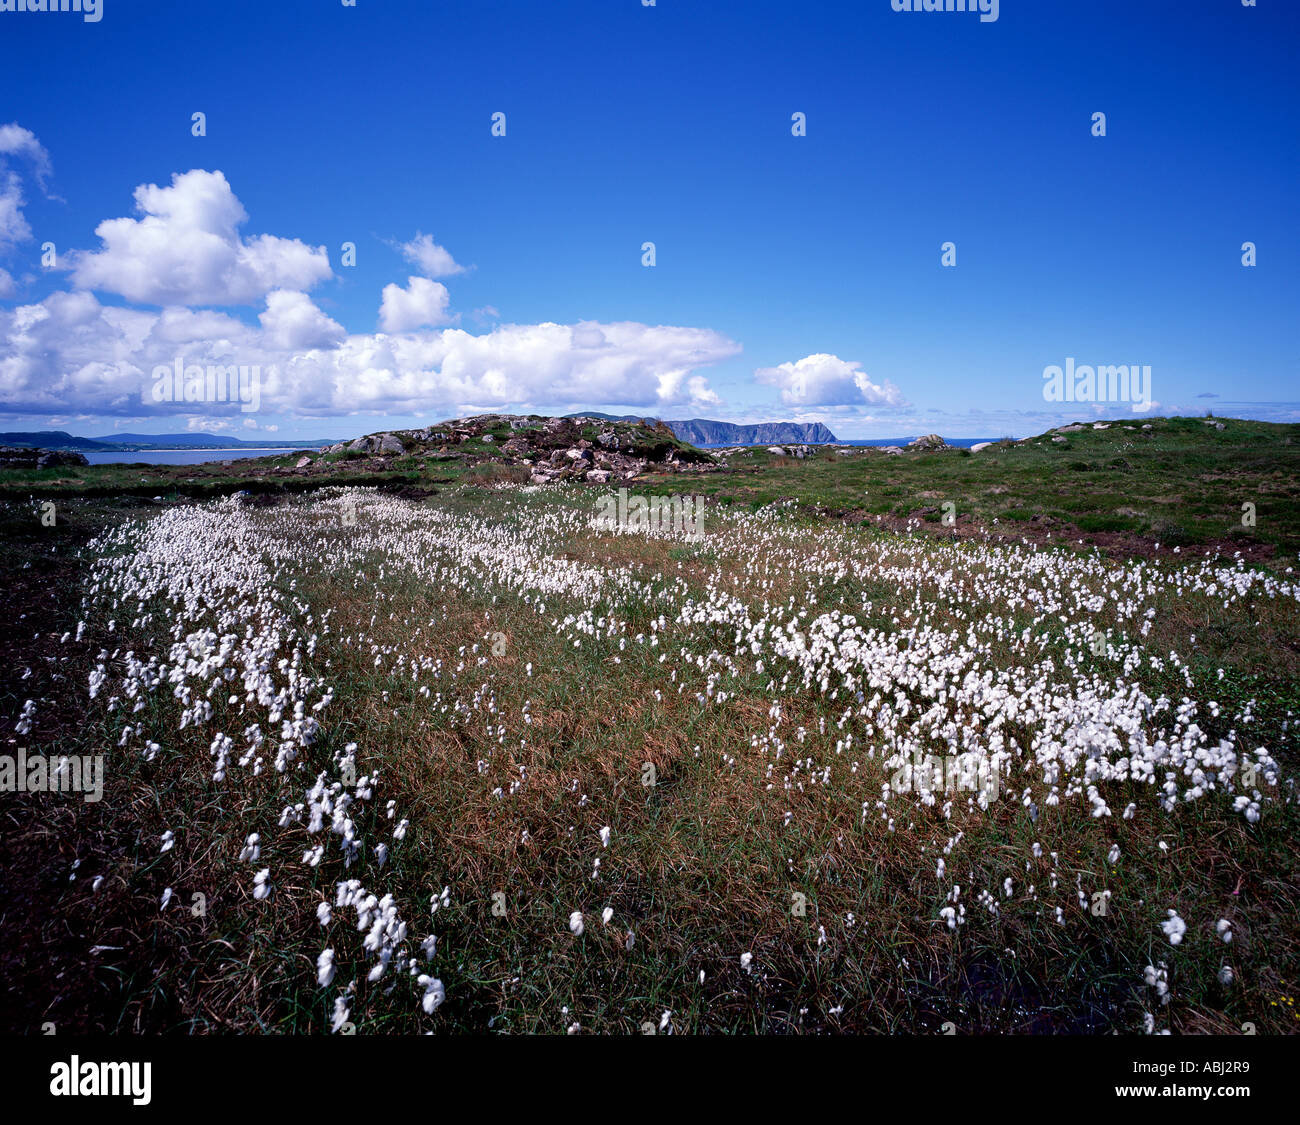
928, 443
552, 449
21, 457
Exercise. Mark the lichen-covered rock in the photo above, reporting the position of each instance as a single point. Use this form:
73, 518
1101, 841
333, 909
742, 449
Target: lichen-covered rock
928, 443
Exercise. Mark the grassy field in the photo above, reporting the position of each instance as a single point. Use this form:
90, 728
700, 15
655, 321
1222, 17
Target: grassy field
511, 770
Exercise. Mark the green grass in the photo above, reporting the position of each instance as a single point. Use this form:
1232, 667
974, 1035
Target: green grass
703, 866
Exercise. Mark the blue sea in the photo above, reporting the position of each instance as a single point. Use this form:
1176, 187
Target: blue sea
960, 442
181, 456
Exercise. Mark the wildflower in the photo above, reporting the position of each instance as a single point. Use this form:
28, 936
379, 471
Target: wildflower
325, 968
575, 923
434, 993
1174, 928
604, 837
606, 915
251, 851
262, 883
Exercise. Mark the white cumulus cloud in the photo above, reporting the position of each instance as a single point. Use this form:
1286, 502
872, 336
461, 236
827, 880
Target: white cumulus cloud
15, 141
186, 249
71, 353
827, 380
429, 258
422, 303
291, 321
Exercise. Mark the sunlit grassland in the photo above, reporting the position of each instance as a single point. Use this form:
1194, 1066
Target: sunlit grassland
707, 862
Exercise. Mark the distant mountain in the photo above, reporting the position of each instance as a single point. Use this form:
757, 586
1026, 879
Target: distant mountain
49, 439
197, 441
114, 443
701, 431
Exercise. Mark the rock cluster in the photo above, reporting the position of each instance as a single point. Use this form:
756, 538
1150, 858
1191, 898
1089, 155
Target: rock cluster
928, 443
553, 449
23, 457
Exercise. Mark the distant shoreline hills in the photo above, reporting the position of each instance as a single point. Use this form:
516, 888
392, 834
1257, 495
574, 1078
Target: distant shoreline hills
701, 432
126, 443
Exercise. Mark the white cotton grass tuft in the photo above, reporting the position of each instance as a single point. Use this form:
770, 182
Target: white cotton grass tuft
604, 837
325, 968
1224, 929
168, 841
251, 852
1174, 928
747, 962
167, 895
575, 923
1226, 976
606, 915
262, 884
434, 993
1158, 978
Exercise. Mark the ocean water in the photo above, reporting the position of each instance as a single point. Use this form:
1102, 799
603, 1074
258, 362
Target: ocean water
181, 456
960, 442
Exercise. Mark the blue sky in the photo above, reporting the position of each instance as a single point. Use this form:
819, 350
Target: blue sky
794, 277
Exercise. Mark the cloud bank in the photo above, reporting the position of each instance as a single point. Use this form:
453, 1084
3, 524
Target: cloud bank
184, 256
